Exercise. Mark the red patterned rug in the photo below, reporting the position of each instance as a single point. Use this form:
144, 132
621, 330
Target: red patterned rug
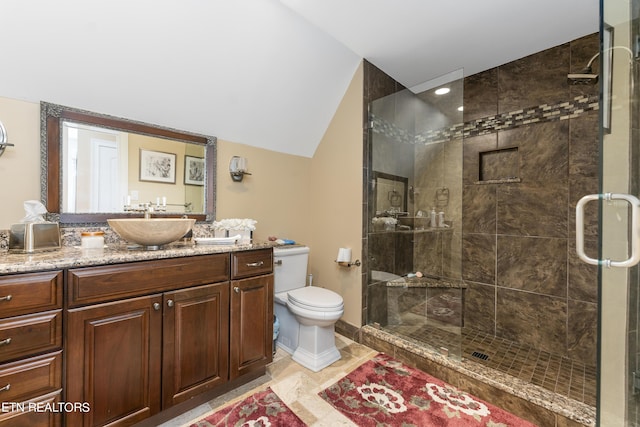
385, 392
261, 409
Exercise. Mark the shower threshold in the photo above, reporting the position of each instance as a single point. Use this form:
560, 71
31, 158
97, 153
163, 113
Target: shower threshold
557, 386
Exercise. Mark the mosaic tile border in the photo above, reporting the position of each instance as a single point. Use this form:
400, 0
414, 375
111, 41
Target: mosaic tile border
487, 125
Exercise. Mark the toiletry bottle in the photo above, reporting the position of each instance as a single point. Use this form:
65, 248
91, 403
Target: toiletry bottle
433, 218
441, 219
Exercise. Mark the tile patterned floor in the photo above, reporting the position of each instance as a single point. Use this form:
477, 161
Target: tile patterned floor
298, 387
550, 371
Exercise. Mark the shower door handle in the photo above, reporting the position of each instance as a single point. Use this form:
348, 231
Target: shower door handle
635, 229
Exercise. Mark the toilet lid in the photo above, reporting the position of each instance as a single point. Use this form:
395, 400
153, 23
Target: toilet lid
315, 298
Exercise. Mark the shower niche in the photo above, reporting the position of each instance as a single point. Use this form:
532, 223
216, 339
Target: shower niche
496, 166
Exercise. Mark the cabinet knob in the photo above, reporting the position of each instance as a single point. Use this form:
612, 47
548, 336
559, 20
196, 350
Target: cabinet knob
236, 289
170, 303
5, 342
7, 298
6, 388
156, 306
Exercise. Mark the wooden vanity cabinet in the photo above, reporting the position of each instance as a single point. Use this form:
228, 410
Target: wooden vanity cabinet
144, 336
251, 332
30, 348
132, 357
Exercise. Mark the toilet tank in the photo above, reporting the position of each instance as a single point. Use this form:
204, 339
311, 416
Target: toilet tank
290, 269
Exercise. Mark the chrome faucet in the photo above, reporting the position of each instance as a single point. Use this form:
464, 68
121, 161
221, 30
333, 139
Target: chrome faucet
146, 208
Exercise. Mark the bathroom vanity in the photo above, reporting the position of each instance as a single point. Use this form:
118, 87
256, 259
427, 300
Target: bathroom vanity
130, 335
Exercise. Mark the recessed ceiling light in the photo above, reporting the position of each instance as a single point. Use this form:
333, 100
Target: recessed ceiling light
461, 108
443, 91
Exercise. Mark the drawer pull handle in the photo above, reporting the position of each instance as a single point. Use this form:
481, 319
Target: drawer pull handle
5, 342
7, 298
6, 388
256, 264
236, 289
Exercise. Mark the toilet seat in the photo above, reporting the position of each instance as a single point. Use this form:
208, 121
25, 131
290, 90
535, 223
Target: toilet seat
313, 298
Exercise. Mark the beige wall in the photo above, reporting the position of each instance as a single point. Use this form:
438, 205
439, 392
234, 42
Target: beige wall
314, 201
19, 165
276, 194
336, 201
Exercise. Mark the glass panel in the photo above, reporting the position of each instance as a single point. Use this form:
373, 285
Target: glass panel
415, 216
617, 399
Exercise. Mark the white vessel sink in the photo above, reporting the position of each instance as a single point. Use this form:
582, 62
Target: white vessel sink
151, 232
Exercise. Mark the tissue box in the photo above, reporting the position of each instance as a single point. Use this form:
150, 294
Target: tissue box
34, 237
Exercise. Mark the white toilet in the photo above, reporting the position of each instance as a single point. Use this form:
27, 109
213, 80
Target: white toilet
307, 314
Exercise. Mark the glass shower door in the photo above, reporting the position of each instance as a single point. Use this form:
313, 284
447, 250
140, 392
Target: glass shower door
618, 222
414, 217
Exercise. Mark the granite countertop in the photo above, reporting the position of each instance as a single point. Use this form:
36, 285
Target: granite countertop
73, 256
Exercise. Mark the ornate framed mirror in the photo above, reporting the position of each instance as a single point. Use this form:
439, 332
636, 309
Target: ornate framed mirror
95, 167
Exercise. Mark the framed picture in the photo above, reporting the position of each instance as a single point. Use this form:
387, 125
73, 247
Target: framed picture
156, 166
193, 170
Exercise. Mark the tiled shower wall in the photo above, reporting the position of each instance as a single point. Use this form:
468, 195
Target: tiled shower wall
524, 280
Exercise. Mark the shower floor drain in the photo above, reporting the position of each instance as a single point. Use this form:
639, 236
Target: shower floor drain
480, 356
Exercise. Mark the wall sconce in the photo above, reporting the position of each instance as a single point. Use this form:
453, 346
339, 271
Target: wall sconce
3, 139
238, 168
344, 258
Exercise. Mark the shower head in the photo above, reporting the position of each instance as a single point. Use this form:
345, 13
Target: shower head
586, 76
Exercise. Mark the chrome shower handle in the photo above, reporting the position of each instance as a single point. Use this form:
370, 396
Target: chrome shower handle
635, 229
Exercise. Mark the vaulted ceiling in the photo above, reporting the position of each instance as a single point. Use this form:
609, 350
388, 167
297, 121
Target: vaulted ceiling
266, 73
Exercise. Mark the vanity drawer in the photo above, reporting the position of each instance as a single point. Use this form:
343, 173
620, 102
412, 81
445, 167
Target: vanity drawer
110, 282
39, 418
251, 263
30, 378
31, 292
30, 334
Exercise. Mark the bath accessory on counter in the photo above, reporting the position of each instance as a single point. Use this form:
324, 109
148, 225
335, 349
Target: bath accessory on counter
217, 240
232, 226
34, 233
34, 237
238, 168
344, 258
3, 139
92, 239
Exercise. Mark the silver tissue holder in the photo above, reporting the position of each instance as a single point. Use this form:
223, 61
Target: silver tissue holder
34, 237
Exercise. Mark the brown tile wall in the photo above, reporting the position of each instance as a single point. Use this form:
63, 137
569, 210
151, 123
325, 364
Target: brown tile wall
517, 242
518, 253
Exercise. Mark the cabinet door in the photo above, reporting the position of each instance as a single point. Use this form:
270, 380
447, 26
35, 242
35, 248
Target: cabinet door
195, 341
251, 325
113, 361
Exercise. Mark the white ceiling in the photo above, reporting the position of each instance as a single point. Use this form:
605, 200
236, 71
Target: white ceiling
265, 73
